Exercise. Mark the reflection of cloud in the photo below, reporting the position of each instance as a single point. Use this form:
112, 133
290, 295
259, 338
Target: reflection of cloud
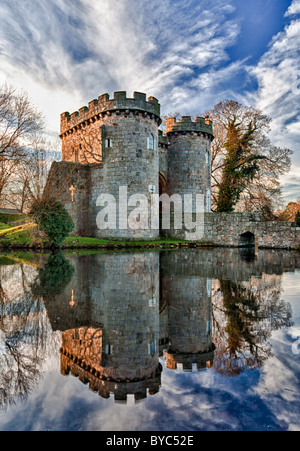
281, 393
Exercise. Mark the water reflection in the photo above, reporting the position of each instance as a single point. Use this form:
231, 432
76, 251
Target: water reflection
116, 317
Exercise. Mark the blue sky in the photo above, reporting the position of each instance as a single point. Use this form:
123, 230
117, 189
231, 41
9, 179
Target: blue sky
190, 54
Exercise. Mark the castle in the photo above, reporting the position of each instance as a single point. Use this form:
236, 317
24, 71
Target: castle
117, 143
114, 147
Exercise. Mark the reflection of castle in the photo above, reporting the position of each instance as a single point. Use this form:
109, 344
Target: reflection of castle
122, 311
117, 316
130, 321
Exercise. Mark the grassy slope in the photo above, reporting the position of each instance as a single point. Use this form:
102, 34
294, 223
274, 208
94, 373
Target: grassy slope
25, 236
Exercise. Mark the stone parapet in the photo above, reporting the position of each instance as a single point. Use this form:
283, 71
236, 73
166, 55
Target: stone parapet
105, 386
200, 126
120, 104
162, 139
190, 362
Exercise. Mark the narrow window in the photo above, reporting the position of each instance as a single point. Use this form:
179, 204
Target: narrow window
208, 201
207, 156
151, 348
107, 143
108, 349
151, 142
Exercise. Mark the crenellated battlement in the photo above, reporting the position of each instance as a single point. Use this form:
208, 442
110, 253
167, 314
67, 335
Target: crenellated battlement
162, 139
201, 125
105, 386
190, 362
102, 106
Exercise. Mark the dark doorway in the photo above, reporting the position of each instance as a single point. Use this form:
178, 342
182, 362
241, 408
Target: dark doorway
247, 240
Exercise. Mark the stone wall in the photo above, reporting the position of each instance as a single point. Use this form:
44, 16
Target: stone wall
128, 163
62, 177
223, 229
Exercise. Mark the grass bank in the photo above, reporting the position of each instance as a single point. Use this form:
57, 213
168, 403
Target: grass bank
19, 232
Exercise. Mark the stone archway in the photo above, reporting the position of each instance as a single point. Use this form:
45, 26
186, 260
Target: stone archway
247, 240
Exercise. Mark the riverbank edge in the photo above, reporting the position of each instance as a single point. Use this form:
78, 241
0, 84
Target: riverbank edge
80, 243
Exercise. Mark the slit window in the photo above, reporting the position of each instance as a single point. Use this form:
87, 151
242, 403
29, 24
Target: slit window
207, 156
108, 349
151, 142
108, 143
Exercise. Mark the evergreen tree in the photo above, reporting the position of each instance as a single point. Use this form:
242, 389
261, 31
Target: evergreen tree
241, 165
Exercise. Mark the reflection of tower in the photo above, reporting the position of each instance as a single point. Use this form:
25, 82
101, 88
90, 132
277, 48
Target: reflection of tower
189, 313
118, 352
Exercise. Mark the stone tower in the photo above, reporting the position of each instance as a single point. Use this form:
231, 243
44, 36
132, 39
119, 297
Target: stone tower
118, 140
189, 157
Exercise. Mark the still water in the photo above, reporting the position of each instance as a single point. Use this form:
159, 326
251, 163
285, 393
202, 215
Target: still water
185, 340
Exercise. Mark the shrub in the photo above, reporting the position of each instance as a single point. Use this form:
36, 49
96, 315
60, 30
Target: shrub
54, 220
297, 219
54, 277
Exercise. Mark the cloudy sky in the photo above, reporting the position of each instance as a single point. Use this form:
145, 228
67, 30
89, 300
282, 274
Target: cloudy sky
190, 54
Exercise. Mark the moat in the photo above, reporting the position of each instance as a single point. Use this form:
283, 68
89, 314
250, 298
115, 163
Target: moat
180, 340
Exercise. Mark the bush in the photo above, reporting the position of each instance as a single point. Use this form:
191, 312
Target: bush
297, 219
54, 220
54, 277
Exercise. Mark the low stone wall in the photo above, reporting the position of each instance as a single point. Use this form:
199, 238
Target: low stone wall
236, 229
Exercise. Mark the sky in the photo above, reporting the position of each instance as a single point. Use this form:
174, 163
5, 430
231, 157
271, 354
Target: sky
190, 54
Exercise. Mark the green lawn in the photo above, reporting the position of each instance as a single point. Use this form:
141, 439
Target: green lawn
25, 236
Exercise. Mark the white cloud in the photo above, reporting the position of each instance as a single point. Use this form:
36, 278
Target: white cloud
294, 8
65, 54
277, 94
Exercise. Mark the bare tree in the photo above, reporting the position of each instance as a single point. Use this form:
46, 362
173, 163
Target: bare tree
21, 125
20, 122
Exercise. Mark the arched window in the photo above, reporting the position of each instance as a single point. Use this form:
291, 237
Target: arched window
151, 142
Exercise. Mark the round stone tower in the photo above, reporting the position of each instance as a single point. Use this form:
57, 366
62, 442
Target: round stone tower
188, 310
118, 139
189, 157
